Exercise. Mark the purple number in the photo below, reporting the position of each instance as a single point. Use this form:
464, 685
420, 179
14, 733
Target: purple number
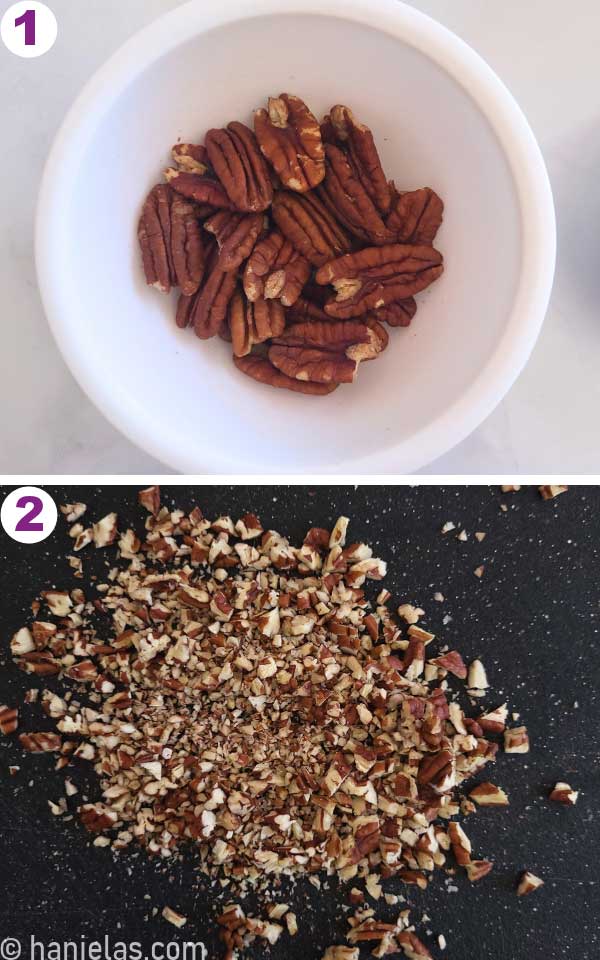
28, 19
25, 524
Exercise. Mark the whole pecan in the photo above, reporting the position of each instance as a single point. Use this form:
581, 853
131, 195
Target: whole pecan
207, 310
324, 352
275, 270
309, 226
290, 138
170, 238
377, 276
350, 200
259, 368
236, 234
398, 314
416, 216
253, 322
360, 145
190, 157
203, 189
235, 157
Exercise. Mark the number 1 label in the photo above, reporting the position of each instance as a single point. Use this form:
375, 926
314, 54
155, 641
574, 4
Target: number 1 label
28, 21
29, 28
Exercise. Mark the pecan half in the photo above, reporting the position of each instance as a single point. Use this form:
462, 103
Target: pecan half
259, 368
359, 142
202, 190
253, 322
310, 227
236, 159
170, 238
377, 276
290, 138
324, 352
416, 216
207, 310
190, 157
398, 314
236, 235
275, 270
350, 201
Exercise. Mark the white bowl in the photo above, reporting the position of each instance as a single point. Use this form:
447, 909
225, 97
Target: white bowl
441, 118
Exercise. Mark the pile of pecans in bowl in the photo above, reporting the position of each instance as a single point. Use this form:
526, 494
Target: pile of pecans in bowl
242, 695
257, 227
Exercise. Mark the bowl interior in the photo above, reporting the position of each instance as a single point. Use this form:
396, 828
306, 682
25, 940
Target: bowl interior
195, 409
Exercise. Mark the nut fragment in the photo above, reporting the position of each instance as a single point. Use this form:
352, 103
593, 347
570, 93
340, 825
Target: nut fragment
290, 138
564, 793
528, 883
477, 869
550, 491
378, 276
275, 270
40, 742
9, 719
516, 740
236, 159
177, 919
488, 795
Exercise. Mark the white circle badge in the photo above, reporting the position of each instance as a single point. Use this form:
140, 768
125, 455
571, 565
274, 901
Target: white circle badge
28, 515
29, 28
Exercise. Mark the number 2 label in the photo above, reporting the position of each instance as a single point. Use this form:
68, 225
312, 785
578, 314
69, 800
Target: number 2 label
28, 515
26, 524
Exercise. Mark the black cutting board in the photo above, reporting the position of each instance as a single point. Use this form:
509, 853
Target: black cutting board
534, 619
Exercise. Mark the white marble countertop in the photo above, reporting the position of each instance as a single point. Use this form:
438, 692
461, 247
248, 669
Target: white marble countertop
547, 54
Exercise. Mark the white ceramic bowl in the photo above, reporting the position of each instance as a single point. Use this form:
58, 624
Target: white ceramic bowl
441, 118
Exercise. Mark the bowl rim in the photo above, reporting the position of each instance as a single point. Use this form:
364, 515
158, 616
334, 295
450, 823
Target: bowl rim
455, 57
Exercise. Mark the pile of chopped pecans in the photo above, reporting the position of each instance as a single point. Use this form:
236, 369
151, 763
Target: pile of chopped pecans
243, 695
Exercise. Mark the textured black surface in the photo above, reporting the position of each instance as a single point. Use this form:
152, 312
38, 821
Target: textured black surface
533, 618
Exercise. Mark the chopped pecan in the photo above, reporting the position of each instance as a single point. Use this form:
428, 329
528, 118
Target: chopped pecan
324, 352
528, 882
9, 719
437, 771
309, 226
359, 142
40, 742
275, 270
477, 869
398, 314
259, 368
416, 216
413, 948
236, 234
236, 159
202, 189
488, 795
377, 276
564, 793
170, 238
350, 201
190, 157
252, 323
290, 138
